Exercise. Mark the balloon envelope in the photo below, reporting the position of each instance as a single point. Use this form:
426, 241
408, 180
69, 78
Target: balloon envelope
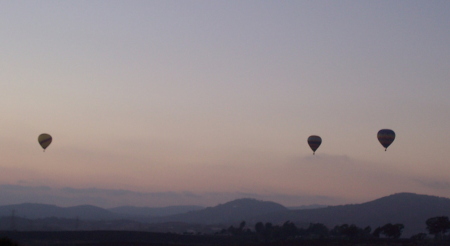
44, 140
314, 142
386, 137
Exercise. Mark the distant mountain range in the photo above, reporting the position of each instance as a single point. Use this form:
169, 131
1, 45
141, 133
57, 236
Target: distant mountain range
410, 209
88, 212
153, 212
37, 211
313, 206
228, 213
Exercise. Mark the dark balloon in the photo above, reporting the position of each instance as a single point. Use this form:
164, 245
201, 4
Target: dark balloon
386, 137
314, 142
44, 140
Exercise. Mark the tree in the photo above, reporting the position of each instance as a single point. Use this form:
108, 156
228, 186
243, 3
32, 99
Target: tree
232, 230
238, 231
438, 226
242, 225
289, 229
419, 236
367, 230
259, 228
350, 231
392, 231
267, 231
317, 229
377, 232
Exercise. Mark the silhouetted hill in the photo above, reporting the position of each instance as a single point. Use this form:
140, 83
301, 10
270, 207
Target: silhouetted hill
409, 209
35, 211
314, 206
230, 212
154, 212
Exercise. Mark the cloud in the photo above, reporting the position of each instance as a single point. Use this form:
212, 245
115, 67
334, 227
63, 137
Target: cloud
434, 184
346, 177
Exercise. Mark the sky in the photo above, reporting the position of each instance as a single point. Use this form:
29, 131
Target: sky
160, 103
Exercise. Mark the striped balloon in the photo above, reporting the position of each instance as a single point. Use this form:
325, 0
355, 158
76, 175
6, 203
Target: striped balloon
386, 137
44, 140
314, 142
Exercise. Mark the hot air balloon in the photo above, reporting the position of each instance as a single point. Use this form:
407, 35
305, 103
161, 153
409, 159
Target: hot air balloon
386, 137
44, 140
314, 142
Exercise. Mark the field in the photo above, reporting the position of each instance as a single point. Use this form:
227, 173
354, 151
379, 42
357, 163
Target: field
131, 238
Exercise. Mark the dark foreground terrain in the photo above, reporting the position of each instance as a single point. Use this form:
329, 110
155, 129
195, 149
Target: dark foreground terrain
130, 238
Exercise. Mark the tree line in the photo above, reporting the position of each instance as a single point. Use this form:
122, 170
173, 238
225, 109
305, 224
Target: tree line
261, 233
436, 226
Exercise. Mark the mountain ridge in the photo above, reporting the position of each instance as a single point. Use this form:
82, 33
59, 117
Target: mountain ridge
154, 211
409, 209
38, 210
227, 212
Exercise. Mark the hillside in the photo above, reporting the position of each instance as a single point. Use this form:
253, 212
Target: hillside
230, 212
153, 212
410, 209
36, 211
